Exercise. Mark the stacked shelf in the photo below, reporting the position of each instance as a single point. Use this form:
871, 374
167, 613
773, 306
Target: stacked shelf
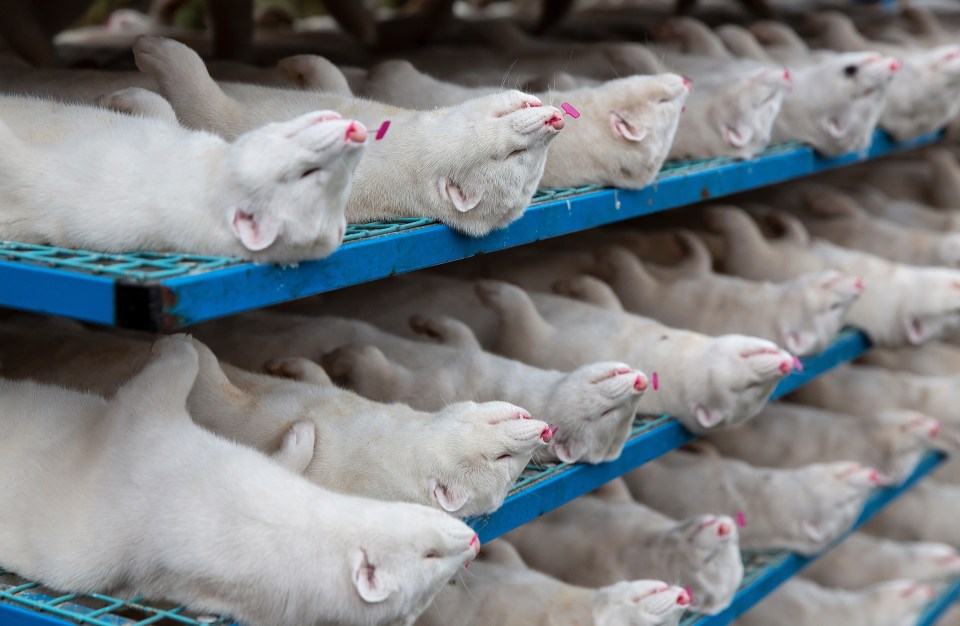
165, 292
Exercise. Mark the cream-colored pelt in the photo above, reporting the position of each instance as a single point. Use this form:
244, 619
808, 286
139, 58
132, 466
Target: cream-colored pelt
124, 184
592, 407
202, 517
803, 315
792, 435
463, 459
622, 138
932, 359
704, 381
606, 540
928, 512
500, 589
907, 212
803, 509
800, 602
837, 98
901, 304
867, 391
862, 560
840, 219
473, 167
924, 96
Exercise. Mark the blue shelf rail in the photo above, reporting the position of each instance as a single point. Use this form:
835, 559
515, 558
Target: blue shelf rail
544, 489
153, 291
939, 605
776, 568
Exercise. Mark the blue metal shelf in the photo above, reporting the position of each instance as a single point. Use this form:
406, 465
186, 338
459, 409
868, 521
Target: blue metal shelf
154, 291
780, 566
545, 489
939, 605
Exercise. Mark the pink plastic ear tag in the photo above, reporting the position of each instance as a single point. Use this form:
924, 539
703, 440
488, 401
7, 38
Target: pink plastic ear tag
741, 519
382, 130
569, 110
655, 380
797, 365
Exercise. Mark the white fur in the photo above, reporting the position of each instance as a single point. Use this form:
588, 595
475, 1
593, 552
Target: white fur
592, 407
928, 512
866, 391
931, 359
800, 602
474, 166
901, 304
862, 560
622, 137
803, 509
791, 435
604, 542
923, 95
201, 517
76, 176
463, 458
500, 589
704, 381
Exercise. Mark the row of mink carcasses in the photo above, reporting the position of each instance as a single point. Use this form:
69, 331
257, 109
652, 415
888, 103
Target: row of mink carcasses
436, 390
475, 162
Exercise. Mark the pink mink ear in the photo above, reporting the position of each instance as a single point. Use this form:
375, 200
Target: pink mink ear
449, 500
455, 194
254, 232
371, 582
570, 451
736, 136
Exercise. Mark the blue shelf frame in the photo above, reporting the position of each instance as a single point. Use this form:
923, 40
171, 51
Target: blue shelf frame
172, 303
940, 604
561, 484
789, 564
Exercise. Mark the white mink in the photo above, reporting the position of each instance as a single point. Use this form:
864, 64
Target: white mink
931, 177
931, 359
928, 512
605, 541
201, 517
907, 212
901, 304
862, 560
803, 315
622, 137
592, 407
336, 438
125, 184
800, 602
840, 219
800, 509
863, 390
705, 381
791, 435
500, 589
474, 166
924, 96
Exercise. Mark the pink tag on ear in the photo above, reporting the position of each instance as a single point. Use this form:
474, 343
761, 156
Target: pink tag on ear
382, 130
741, 519
655, 380
569, 110
797, 365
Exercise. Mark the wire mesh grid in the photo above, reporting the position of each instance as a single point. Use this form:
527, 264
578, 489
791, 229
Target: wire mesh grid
96, 609
152, 266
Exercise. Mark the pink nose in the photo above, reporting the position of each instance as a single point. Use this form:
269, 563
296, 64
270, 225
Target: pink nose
724, 529
640, 384
895, 65
356, 132
786, 75
556, 121
683, 598
875, 477
786, 366
935, 429
547, 435
858, 285
687, 81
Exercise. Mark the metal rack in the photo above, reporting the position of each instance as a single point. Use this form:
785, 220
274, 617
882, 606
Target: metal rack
155, 291
152, 291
